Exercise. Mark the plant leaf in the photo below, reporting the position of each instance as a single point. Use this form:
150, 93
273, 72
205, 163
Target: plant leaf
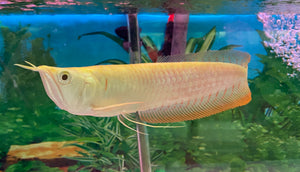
191, 45
209, 39
145, 59
106, 34
88, 139
151, 49
148, 42
82, 159
112, 61
230, 46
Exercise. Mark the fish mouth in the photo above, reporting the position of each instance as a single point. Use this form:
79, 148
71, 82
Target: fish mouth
52, 89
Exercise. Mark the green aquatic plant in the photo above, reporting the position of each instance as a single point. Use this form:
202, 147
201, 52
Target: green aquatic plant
215, 140
147, 43
27, 114
194, 45
106, 145
25, 110
272, 120
31, 166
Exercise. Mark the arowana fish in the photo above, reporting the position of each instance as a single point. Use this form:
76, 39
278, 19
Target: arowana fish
202, 85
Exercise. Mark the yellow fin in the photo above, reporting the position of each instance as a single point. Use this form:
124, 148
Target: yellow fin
148, 125
126, 107
122, 122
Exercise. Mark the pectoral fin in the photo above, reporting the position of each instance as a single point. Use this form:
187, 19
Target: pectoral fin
123, 107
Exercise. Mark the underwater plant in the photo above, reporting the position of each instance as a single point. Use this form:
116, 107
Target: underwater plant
107, 145
40, 120
27, 116
194, 45
30, 166
275, 111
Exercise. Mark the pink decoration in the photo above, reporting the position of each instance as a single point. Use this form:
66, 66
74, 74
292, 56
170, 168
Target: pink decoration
5, 2
59, 2
26, 9
29, 5
23, 0
283, 30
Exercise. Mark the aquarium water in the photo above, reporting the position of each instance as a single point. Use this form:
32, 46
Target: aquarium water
263, 135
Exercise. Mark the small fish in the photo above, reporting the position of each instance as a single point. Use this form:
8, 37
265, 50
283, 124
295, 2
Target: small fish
202, 85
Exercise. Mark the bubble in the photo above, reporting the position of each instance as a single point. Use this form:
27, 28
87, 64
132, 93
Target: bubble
278, 22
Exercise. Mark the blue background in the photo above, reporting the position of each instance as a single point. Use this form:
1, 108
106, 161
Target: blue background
68, 51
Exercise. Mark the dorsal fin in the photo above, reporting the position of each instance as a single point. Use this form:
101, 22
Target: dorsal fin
226, 56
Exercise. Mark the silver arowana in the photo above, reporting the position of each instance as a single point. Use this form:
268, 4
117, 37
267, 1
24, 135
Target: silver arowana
202, 85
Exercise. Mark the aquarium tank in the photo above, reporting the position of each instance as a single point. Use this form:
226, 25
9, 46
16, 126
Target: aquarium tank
261, 134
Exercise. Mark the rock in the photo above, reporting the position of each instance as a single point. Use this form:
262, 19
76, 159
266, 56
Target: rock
51, 153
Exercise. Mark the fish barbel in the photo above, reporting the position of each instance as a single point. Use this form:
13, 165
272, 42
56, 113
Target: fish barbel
203, 85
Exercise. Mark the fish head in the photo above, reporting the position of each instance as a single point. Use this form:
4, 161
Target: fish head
69, 88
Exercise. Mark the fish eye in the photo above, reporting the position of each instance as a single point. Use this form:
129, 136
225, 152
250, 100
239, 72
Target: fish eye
64, 77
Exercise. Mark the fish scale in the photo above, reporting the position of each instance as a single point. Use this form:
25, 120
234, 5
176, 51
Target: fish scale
214, 98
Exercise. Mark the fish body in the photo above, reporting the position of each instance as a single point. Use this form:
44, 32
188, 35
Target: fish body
160, 92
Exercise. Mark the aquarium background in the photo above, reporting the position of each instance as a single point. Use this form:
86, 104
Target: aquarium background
260, 136
65, 29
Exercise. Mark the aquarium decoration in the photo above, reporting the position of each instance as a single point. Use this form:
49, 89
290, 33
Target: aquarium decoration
282, 32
